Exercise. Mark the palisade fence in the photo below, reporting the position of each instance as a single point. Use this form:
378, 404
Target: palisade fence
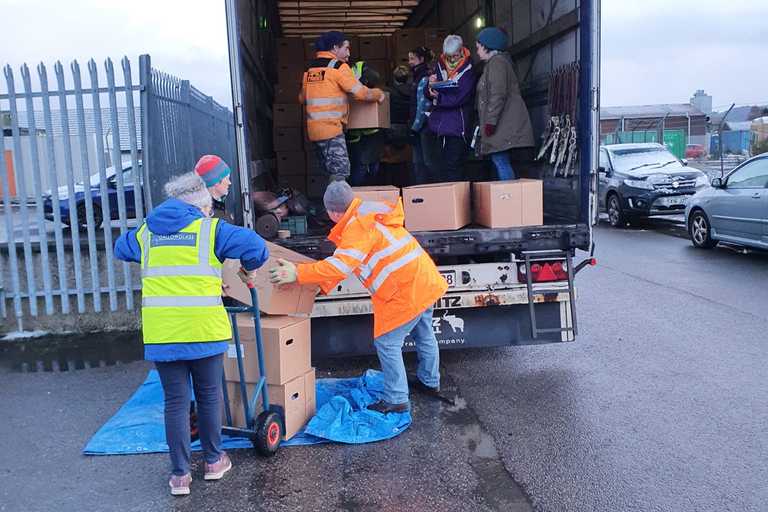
81, 164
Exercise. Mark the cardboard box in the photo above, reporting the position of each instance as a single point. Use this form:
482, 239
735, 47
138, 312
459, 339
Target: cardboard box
506, 204
289, 73
309, 48
289, 49
313, 163
434, 38
385, 193
316, 185
291, 163
372, 48
297, 398
287, 299
368, 114
287, 115
406, 39
284, 137
287, 92
287, 349
437, 207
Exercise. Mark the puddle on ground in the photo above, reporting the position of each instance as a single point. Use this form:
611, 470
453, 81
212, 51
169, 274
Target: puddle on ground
71, 352
496, 484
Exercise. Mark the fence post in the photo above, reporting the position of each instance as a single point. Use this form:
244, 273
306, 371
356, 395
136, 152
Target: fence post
147, 158
189, 157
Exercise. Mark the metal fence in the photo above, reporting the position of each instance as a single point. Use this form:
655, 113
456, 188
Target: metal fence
81, 164
182, 124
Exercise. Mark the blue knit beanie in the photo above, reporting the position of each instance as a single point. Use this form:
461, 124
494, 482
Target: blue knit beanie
493, 38
327, 41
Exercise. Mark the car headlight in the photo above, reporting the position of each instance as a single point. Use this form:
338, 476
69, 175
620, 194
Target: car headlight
643, 184
702, 181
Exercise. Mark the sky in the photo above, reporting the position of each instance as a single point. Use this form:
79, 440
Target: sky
653, 51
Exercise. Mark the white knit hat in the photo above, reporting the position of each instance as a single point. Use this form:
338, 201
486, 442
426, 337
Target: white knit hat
452, 44
189, 188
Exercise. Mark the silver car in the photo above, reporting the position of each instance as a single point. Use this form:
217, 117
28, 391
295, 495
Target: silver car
734, 210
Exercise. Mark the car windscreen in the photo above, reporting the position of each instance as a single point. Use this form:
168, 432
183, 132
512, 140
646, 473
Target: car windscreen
628, 159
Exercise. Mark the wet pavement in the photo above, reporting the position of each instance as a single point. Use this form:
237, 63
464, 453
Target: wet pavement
658, 405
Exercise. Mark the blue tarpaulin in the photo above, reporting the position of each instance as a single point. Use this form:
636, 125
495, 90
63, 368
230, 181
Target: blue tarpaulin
138, 427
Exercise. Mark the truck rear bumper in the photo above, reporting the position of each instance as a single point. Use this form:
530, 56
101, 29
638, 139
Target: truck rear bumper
455, 328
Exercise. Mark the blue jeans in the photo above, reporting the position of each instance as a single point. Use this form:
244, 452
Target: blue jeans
504, 170
206, 376
389, 347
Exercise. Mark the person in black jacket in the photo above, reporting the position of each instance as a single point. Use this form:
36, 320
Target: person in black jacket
421, 60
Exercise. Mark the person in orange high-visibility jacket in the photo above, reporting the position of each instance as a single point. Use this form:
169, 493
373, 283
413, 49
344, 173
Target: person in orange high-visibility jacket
327, 81
402, 279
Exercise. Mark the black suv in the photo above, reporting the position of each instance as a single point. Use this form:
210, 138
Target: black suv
641, 180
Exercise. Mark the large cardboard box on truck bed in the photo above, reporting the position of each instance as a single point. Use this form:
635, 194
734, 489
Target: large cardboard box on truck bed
289, 49
437, 206
287, 349
406, 39
508, 204
368, 114
372, 48
287, 299
287, 138
297, 398
287, 115
291, 163
287, 92
386, 193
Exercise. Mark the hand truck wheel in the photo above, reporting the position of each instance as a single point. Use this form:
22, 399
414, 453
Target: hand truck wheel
268, 433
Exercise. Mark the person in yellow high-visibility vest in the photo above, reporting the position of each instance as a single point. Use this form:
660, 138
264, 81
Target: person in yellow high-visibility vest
365, 145
184, 324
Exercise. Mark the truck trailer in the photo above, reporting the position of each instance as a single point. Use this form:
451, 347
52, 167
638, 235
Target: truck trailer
507, 286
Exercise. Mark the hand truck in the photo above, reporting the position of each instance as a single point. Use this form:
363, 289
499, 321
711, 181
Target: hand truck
265, 430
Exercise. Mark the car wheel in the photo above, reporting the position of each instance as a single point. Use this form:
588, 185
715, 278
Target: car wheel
700, 231
82, 217
616, 215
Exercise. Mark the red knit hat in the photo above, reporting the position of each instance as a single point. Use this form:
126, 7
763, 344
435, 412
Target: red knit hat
212, 169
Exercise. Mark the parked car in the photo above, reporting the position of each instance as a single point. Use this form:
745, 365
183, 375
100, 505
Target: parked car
96, 197
695, 151
643, 180
734, 210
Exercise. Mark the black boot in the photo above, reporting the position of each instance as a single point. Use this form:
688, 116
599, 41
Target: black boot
419, 386
386, 407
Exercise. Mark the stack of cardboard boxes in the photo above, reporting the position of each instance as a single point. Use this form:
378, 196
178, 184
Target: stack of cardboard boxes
286, 337
450, 206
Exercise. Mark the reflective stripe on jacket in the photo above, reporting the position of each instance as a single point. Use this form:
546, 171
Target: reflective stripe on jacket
373, 244
181, 286
324, 90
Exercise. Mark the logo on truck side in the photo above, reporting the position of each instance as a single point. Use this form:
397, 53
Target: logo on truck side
454, 322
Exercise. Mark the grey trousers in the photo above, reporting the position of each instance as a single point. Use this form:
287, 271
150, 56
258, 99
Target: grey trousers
333, 157
206, 377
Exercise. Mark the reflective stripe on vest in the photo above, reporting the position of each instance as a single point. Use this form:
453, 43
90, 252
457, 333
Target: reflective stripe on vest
321, 102
395, 265
181, 303
330, 114
367, 270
